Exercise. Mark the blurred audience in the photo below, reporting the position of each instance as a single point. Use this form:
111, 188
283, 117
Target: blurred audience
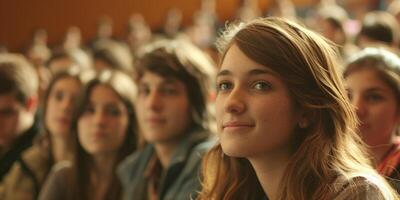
175, 101
51, 146
109, 54
104, 31
378, 28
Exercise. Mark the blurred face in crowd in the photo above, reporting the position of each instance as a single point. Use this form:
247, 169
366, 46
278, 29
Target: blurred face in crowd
103, 125
100, 65
60, 64
163, 108
254, 111
60, 103
376, 106
12, 118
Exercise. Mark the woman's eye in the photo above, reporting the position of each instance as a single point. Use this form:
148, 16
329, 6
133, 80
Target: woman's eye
374, 98
224, 86
262, 86
144, 90
113, 111
350, 96
59, 95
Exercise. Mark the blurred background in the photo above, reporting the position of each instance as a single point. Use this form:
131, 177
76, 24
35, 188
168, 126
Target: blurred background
20, 18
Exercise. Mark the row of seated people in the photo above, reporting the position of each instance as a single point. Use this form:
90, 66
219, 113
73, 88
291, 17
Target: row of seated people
285, 126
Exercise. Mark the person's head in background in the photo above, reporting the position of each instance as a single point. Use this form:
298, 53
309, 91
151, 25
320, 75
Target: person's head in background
248, 10
373, 84
38, 52
72, 38
18, 97
285, 125
62, 59
103, 133
359, 8
173, 78
104, 28
57, 105
378, 28
139, 32
202, 31
111, 54
330, 22
173, 22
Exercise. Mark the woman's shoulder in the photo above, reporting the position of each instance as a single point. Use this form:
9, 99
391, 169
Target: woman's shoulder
27, 173
56, 185
363, 188
62, 167
59, 173
37, 159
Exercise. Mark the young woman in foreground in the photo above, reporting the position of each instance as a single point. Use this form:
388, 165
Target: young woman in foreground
285, 125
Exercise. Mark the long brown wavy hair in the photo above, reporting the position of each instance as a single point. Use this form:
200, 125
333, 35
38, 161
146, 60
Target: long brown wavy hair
79, 179
327, 150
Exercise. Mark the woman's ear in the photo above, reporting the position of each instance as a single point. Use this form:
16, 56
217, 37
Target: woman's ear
305, 119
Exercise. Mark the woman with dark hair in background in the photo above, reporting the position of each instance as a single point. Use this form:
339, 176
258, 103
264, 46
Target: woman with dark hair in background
103, 133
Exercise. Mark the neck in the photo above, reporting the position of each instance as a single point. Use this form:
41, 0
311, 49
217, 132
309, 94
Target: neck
103, 166
59, 149
269, 170
102, 175
379, 151
164, 152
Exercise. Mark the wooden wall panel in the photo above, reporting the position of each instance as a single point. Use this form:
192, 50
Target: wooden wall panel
18, 18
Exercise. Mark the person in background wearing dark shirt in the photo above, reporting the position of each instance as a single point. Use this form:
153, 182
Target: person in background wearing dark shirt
18, 103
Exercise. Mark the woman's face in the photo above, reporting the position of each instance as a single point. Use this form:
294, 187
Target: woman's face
255, 114
59, 106
103, 125
376, 106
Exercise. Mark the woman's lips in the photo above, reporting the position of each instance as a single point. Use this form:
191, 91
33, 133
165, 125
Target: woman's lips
236, 126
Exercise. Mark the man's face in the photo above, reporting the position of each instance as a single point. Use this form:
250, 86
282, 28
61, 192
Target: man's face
11, 111
162, 108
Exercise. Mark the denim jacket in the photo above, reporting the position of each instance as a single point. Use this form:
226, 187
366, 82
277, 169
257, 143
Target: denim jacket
181, 179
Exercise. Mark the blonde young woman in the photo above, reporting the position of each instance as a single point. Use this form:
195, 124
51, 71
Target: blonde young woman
285, 125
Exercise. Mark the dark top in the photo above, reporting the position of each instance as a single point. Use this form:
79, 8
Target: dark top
14, 153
